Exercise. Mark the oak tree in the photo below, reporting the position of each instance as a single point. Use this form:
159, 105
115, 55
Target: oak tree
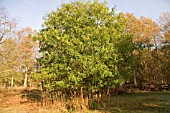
83, 45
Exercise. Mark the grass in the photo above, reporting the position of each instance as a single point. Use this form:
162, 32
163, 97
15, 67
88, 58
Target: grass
142, 102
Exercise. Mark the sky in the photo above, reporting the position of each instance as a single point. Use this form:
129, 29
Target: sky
30, 12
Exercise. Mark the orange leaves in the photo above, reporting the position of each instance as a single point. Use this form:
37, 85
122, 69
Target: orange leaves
27, 47
144, 29
25, 32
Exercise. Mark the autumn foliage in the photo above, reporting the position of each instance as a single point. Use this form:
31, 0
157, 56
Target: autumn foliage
83, 51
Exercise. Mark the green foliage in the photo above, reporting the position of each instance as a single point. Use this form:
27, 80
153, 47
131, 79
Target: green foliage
17, 56
83, 44
9, 62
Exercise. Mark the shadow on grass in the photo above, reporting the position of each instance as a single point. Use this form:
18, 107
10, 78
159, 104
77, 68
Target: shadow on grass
145, 102
34, 95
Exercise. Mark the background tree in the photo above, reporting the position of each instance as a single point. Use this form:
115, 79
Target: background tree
7, 28
7, 24
9, 62
164, 46
27, 51
144, 32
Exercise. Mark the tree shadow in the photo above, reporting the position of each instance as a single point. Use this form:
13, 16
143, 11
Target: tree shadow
33, 95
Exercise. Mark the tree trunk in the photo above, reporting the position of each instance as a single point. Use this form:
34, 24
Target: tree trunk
25, 80
12, 81
134, 77
26, 76
30, 81
134, 69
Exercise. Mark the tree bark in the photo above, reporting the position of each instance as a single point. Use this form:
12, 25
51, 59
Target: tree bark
134, 77
134, 70
26, 76
12, 81
25, 80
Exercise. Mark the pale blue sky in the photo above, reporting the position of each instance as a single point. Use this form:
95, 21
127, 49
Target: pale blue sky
30, 12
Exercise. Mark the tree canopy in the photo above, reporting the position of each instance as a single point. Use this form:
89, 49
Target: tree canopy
83, 44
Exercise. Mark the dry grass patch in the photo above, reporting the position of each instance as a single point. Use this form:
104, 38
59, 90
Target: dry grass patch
11, 101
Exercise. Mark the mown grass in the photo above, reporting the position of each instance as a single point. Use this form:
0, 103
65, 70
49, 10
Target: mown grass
142, 102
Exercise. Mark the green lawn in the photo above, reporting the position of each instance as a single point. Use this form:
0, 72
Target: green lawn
144, 102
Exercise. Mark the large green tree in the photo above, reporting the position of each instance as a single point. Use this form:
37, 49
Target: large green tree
84, 44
